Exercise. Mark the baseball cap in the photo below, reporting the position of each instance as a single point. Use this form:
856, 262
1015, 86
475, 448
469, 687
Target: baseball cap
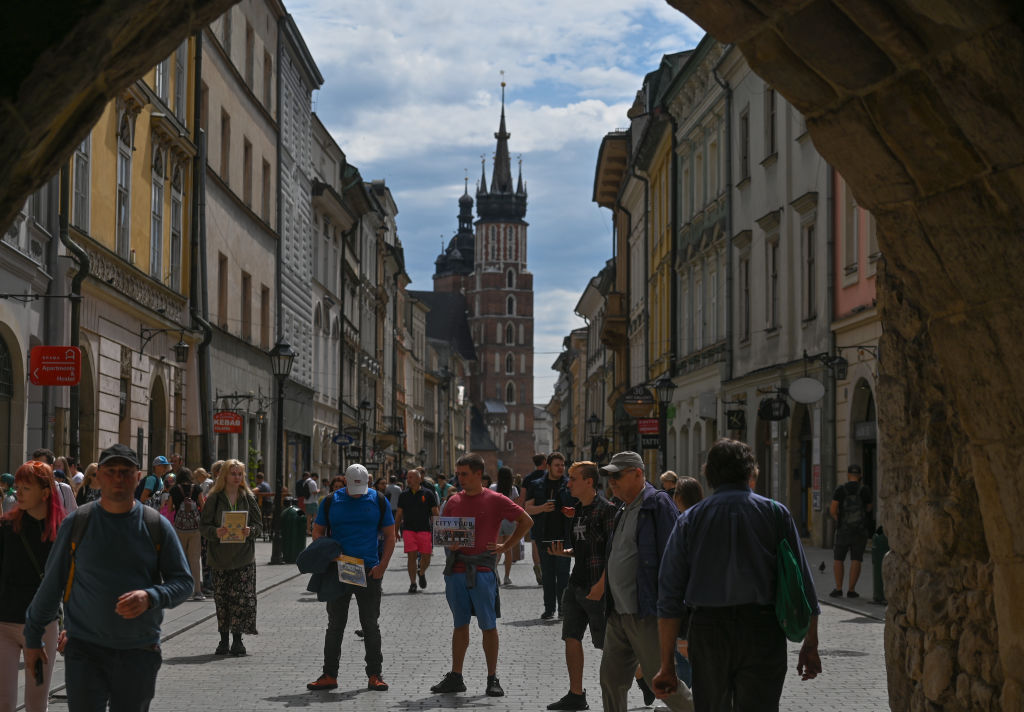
625, 460
853, 469
161, 460
357, 479
119, 452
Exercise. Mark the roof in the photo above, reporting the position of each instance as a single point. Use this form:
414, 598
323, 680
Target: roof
479, 437
447, 321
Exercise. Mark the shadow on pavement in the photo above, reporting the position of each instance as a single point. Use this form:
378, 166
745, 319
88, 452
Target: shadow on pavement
308, 699
442, 701
195, 659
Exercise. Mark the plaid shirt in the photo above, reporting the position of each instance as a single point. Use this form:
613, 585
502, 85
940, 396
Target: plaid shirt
591, 528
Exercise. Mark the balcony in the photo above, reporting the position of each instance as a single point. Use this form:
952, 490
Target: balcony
616, 322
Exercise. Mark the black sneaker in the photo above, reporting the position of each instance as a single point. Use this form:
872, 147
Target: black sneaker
547, 615
423, 581
648, 693
412, 588
494, 687
836, 593
852, 594
451, 682
571, 701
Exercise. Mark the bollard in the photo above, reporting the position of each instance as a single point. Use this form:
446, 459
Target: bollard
879, 548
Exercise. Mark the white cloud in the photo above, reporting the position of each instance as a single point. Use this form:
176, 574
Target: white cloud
411, 94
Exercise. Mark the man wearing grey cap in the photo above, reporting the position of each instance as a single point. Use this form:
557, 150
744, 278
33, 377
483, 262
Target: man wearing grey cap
117, 564
642, 528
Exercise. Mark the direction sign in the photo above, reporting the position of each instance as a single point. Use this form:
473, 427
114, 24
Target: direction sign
227, 421
343, 439
55, 365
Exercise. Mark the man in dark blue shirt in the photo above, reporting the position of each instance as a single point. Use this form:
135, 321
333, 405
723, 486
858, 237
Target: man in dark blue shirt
720, 561
544, 498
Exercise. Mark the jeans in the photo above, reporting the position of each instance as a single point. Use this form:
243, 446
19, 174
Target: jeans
96, 674
368, 600
738, 655
555, 575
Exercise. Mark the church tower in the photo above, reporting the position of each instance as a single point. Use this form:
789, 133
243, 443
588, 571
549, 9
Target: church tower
499, 295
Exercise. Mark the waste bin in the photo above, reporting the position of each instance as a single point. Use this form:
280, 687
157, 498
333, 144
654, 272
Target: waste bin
293, 532
879, 548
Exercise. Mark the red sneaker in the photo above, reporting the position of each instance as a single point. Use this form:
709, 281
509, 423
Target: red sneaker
324, 682
377, 684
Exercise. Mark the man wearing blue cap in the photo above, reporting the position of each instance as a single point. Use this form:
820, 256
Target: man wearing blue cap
153, 484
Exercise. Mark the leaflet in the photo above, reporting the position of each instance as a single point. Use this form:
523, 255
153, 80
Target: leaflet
235, 523
351, 570
454, 532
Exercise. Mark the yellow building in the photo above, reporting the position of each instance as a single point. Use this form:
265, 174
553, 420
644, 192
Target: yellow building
131, 211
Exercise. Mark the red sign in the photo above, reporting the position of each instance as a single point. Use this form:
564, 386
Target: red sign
648, 426
55, 365
227, 421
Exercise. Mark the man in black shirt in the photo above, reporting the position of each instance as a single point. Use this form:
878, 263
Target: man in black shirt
850, 507
412, 519
593, 519
544, 497
540, 463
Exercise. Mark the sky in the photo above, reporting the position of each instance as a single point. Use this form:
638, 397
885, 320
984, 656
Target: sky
412, 94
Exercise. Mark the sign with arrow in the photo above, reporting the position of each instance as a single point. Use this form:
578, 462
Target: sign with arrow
55, 365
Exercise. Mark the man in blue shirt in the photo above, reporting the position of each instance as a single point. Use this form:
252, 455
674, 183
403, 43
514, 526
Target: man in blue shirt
114, 601
354, 516
720, 561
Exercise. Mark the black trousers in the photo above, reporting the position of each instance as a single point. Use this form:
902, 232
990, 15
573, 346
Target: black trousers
96, 675
368, 600
738, 655
555, 575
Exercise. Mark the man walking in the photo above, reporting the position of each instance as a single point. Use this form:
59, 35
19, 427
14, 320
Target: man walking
641, 531
544, 497
354, 516
149, 489
308, 490
850, 508
593, 518
721, 562
118, 565
471, 583
415, 507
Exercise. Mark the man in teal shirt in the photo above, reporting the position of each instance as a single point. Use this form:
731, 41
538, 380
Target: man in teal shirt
114, 603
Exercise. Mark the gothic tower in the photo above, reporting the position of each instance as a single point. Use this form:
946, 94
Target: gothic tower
499, 295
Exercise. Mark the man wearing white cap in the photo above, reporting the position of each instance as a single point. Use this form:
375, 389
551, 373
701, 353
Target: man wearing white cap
353, 516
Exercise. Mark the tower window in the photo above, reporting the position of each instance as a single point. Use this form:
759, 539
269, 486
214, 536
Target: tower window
510, 393
510, 306
510, 279
510, 334
510, 364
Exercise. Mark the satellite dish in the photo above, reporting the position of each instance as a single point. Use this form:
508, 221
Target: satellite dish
806, 390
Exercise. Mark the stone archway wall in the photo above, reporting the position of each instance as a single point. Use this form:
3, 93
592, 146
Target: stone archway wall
62, 61
920, 106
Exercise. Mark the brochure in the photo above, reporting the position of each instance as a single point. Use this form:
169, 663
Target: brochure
454, 532
351, 570
235, 523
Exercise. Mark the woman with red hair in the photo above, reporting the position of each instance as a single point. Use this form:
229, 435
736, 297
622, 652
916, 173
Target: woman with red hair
26, 536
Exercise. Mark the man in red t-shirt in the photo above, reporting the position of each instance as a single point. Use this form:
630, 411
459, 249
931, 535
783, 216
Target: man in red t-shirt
471, 584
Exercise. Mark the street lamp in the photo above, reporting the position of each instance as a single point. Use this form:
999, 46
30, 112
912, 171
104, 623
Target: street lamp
281, 359
570, 446
593, 429
364, 420
664, 387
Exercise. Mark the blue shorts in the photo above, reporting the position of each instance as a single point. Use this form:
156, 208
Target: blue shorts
477, 601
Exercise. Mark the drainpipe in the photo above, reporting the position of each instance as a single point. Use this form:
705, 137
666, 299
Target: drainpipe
829, 417
81, 259
728, 215
199, 309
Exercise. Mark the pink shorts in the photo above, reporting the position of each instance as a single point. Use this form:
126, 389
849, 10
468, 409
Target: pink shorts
421, 542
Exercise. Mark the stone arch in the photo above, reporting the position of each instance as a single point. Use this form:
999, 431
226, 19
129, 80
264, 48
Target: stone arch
12, 401
158, 423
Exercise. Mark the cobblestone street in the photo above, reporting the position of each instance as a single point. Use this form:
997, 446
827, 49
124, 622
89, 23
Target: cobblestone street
416, 631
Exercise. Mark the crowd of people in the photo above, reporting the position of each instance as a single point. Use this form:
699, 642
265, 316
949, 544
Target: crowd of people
677, 589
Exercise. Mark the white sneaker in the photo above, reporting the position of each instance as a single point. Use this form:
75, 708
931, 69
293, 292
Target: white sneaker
508, 581
199, 597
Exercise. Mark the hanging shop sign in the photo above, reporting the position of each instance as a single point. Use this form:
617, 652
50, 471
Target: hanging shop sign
227, 421
55, 365
773, 409
638, 401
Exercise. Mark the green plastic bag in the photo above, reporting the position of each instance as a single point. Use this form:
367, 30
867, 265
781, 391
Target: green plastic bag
791, 607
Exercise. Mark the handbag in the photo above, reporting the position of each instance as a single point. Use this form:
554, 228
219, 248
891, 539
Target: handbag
791, 607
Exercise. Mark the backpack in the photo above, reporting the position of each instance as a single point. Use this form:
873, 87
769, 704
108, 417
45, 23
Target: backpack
187, 516
150, 517
852, 513
307, 490
154, 500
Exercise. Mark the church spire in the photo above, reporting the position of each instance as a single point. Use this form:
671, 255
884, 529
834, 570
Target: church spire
501, 179
519, 187
482, 188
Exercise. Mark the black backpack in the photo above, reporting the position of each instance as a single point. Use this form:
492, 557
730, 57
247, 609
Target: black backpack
852, 512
